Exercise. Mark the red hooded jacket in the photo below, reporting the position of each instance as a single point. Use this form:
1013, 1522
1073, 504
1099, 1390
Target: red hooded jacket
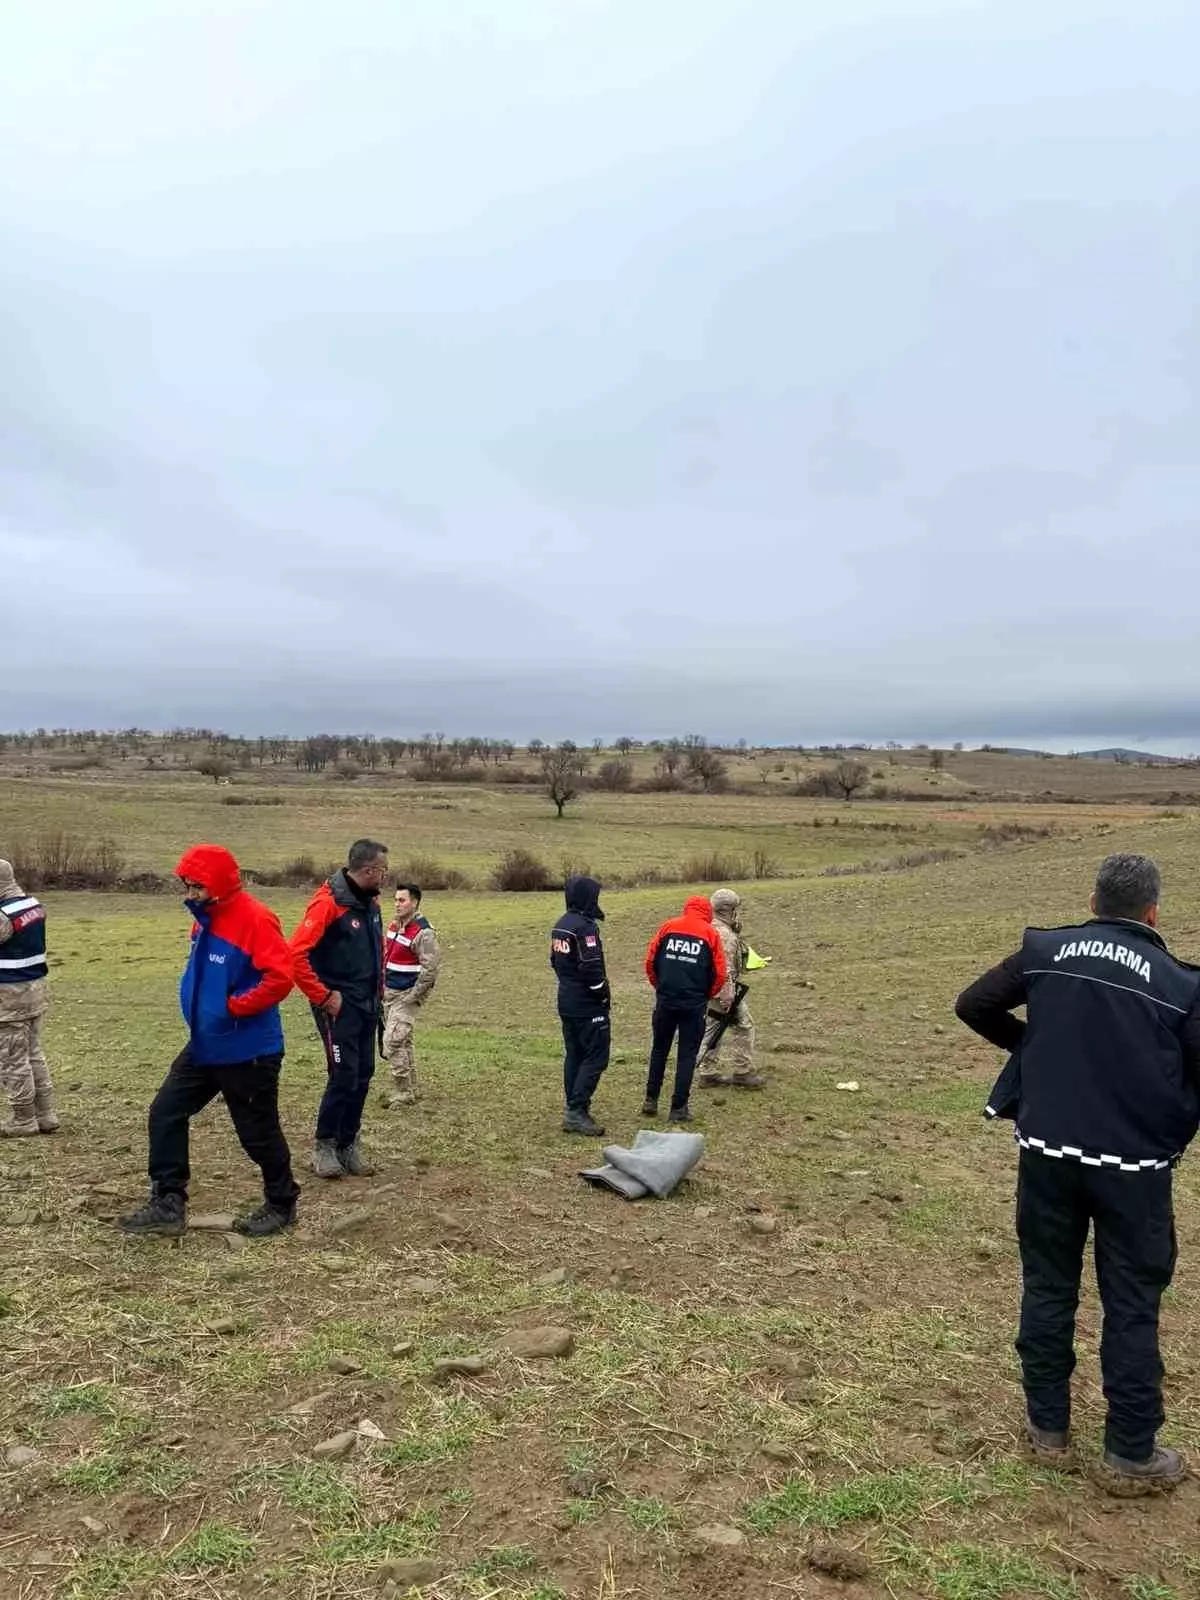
684, 961
239, 966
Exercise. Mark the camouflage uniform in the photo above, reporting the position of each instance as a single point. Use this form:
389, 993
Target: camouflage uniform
737, 1041
399, 1019
24, 1075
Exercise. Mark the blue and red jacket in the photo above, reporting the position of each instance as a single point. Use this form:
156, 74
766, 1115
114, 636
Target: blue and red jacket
239, 967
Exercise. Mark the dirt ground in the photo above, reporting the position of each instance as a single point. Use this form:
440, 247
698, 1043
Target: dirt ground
835, 1394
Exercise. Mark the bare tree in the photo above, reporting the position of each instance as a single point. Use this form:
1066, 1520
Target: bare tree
560, 775
850, 776
706, 767
937, 760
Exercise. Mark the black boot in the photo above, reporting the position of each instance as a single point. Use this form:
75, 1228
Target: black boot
582, 1122
164, 1214
679, 1114
268, 1218
1161, 1470
649, 1106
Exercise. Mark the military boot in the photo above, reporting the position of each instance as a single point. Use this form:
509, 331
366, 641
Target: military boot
396, 1098
267, 1219
325, 1161
582, 1122
354, 1163
19, 1127
47, 1117
712, 1080
1161, 1470
748, 1080
164, 1214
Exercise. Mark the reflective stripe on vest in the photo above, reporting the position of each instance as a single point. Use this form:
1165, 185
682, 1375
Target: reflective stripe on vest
402, 966
23, 955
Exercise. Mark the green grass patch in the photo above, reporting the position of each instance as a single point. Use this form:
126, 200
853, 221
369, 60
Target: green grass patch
982, 1572
414, 1536
649, 1515
78, 1400
110, 1573
502, 1561
872, 1497
318, 1490
214, 1547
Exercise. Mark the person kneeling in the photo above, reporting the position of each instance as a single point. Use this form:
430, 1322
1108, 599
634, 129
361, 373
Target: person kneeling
239, 968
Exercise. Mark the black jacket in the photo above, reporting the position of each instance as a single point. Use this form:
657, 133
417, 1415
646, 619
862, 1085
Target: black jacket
577, 954
339, 944
1107, 1068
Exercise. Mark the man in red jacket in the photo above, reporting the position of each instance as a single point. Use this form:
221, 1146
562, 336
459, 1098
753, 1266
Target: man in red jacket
239, 968
686, 966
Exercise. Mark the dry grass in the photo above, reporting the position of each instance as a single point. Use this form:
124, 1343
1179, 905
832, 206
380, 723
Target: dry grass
848, 1377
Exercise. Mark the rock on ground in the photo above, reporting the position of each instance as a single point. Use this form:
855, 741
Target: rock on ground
719, 1536
336, 1448
535, 1344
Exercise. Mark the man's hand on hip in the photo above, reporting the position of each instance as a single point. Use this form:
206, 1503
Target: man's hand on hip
332, 1003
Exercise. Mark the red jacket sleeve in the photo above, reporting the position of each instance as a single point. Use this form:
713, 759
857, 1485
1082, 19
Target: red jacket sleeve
651, 952
322, 910
268, 950
720, 965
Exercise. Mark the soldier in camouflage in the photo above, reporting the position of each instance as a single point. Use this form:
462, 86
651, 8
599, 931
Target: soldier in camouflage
411, 960
24, 1075
736, 1039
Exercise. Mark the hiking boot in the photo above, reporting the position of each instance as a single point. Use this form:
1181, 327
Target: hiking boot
325, 1161
164, 1214
266, 1219
47, 1117
748, 1080
649, 1107
1126, 1479
20, 1128
1048, 1446
354, 1163
679, 1114
712, 1080
582, 1122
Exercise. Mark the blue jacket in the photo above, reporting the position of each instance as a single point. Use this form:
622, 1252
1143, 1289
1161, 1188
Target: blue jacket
239, 967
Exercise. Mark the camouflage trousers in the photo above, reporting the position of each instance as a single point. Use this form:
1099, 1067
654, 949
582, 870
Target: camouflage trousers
399, 1019
735, 1047
24, 1075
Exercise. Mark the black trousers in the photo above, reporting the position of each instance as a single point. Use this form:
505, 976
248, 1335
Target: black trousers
667, 1021
586, 1044
250, 1089
1134, 1245
349, 1040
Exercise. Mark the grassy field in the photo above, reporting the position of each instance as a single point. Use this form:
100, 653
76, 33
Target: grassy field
840, 1389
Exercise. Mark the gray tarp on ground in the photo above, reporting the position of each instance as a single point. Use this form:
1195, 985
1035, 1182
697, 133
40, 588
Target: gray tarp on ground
655, 1164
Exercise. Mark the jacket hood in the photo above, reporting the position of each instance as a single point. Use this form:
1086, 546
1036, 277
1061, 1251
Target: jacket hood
583, 896
213, 866
698, 906
725, 904
8, 880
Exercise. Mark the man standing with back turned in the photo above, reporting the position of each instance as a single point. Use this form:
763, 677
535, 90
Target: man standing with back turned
1104, 1086
685, 966
338, 956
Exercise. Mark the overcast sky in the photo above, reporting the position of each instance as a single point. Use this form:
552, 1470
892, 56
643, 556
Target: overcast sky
589, 367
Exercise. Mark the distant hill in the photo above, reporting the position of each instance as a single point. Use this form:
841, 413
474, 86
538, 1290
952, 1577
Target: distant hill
1120, 753
1113, 753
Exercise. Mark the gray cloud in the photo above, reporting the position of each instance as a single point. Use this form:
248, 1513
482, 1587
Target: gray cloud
799, 373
